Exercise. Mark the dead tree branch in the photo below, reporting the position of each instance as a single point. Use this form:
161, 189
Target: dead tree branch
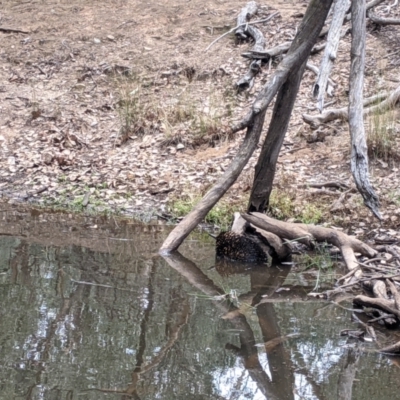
247, 81
246, 13
236, 27
359, 150
383, 21
321, 85
12, 30
379, 303
308, 234
385, 102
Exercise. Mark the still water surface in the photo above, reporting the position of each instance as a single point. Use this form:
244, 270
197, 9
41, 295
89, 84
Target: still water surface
90, 311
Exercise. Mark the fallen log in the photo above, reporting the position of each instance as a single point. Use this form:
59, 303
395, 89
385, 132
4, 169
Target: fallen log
380, 304
395, 293
392, 349
282, 48
386, 101
379, 291
247, 81
383, 21
308, 234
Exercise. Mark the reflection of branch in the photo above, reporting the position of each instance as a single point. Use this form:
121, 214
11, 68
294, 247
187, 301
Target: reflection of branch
347, 375
247, 351
181, 321
140, 370
316, 388
44, 345
193, 274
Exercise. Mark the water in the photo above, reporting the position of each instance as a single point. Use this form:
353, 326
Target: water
90, 311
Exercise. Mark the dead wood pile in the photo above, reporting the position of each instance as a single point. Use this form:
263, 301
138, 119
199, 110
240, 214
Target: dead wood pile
373, 271
369, 268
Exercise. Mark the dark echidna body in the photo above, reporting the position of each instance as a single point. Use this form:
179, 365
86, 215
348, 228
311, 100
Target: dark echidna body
238, 247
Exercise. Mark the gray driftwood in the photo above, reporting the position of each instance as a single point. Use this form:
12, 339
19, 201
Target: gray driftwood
384, 100
246, 13
383, 21
308, 234
247, 81
393, 349
379, 291
322, 83
379, 303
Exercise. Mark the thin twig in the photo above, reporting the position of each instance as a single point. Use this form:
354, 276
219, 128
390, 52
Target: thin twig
348, 275
385, 316
12, 30
100, 284
238, 26
375, 268
367, 279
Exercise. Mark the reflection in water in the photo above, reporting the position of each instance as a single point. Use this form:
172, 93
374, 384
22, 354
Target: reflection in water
111, 320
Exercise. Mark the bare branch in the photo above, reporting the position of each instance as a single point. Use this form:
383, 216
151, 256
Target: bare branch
238, 26
321, 85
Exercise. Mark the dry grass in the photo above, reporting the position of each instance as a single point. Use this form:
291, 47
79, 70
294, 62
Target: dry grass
382, 136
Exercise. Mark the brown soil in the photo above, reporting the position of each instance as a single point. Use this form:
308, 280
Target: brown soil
113, 103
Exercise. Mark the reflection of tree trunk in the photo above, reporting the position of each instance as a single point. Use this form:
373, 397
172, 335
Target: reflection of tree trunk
247, 351
180, 320
63, 312
347, 374
132, 389
278, 358
265, 282
44, 345
280, 364
21, 258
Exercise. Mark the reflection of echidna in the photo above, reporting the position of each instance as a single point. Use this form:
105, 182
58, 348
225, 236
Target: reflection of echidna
244, 247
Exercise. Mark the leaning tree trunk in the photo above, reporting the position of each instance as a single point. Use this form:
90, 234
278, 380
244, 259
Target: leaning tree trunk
265, 169
307, 35
266, 164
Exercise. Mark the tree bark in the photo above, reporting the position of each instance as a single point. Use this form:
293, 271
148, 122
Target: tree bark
321, 85
244, 16
359, 151
266, 166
